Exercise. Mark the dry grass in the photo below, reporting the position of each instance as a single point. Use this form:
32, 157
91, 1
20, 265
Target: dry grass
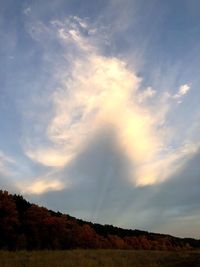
99, 258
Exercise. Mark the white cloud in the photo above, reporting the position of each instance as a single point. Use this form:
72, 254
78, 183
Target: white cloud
145, 95
97, 91
82, 22
165, 166
48, 156
183, 90
41, 186
49, 181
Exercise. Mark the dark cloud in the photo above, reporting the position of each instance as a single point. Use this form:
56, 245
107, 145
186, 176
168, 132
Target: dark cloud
102, 191
176, 200
100, 177
182, 190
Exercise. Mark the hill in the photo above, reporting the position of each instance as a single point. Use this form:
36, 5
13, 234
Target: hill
27, 226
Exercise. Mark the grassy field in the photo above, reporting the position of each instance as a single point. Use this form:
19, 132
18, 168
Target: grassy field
99, 258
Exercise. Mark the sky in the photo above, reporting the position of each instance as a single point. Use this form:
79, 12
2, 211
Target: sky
100, 110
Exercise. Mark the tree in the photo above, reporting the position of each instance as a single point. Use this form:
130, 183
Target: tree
9, 221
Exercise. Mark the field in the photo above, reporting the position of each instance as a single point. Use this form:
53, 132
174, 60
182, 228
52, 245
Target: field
99, 258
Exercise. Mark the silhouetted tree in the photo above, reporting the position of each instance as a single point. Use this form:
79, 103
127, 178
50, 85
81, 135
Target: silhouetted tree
8, 221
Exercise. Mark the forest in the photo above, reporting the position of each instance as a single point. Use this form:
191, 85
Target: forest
26, 226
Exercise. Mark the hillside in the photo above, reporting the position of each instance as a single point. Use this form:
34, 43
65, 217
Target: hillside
27, 226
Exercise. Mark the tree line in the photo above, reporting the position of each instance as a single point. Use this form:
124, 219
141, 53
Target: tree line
27, 226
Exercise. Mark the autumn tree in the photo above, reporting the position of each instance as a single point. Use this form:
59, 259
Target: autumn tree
9, 221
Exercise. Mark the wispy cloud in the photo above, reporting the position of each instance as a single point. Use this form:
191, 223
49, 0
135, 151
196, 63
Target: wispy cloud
27, 11
98, 91
5, 159
183, 90
51, 157
41, 186
8, 167
49, 181
146, 94
5, 162
89, 109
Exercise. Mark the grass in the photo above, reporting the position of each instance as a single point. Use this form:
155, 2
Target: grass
99, 258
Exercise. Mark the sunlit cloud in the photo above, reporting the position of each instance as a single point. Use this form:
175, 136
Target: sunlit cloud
148, 93
48, 156
41, 186
98, 91
183, 90
49, 181
165, 166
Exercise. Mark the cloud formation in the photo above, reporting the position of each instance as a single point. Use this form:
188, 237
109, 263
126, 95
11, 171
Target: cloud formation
89, 109
183, 90
148, 93
41, 186
96, 92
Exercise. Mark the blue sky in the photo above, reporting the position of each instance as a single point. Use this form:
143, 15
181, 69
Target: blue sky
99, 110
